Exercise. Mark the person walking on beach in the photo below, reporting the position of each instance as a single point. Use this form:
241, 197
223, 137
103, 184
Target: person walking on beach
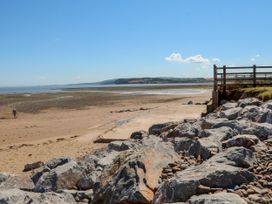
14, 112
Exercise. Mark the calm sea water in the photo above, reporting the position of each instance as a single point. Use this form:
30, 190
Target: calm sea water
59, 88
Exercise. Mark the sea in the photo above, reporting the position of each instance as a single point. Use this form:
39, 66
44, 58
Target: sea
60, 88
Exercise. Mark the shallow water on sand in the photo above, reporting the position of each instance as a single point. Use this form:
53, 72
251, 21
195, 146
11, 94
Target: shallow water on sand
59, 88
166, 92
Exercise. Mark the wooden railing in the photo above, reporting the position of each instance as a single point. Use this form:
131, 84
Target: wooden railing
229, 78
248, 76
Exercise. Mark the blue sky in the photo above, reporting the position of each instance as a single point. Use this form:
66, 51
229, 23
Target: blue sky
65, 41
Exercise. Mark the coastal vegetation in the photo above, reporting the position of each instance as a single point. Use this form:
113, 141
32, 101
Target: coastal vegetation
263, 93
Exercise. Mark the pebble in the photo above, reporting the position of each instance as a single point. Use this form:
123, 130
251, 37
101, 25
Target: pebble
167, 170
175, 169
255, 198
172, 165
250, 191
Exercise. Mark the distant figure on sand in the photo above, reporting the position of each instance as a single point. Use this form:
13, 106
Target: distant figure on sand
14, 112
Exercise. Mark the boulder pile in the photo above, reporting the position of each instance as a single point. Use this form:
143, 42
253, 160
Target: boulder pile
223, 157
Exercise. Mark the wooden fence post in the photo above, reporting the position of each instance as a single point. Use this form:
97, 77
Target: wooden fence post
214, 77
254, 75
224, 79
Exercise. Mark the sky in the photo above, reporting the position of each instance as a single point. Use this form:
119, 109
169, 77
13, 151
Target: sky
75, 41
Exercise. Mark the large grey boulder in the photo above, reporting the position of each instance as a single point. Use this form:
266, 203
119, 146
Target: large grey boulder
217, 198
81, 196
157, 129
211, 139
221, 171
137, 173
251, 112
63, 177
219, 134
138, 135
265, 116
236, 156
267, 105
88, 162
249, 102
261, 130
241, 140
120, 145
55, 162
238, 125
190, 130
210, 122
231, 113
191, 147
108, 159
51, 164
228, 105
10, 181
16, 196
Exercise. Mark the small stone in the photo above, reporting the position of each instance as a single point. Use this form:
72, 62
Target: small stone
255, 198
183, 167
241, 192
264, 191
258, 169
172, 165
250, 191
263, 182
256, 189
243, 186
167, 170
175, 169
170, 174
203, 189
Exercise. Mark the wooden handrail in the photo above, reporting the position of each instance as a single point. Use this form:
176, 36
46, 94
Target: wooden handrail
246, 76
246, 79
259, 67
222, 76
234, 73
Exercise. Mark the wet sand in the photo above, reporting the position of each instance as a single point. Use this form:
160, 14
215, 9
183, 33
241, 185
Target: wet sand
67, 123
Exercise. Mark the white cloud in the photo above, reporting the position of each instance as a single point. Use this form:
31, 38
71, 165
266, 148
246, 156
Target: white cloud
216, 60
197, 59
174, 57
177, 57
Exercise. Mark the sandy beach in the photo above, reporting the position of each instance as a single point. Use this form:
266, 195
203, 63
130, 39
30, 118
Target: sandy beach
52, 125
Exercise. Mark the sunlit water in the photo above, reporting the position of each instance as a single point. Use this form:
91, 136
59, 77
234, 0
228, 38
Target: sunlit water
59, 88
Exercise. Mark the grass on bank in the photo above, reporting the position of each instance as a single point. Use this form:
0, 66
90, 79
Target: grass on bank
263, 93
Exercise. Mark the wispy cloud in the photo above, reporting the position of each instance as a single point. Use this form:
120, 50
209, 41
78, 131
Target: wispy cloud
195, 59
255, 57
216, 60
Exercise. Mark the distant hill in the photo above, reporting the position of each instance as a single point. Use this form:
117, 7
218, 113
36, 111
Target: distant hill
154, 80
149, 80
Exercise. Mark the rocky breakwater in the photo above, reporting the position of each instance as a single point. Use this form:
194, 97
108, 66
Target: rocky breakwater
224, 157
